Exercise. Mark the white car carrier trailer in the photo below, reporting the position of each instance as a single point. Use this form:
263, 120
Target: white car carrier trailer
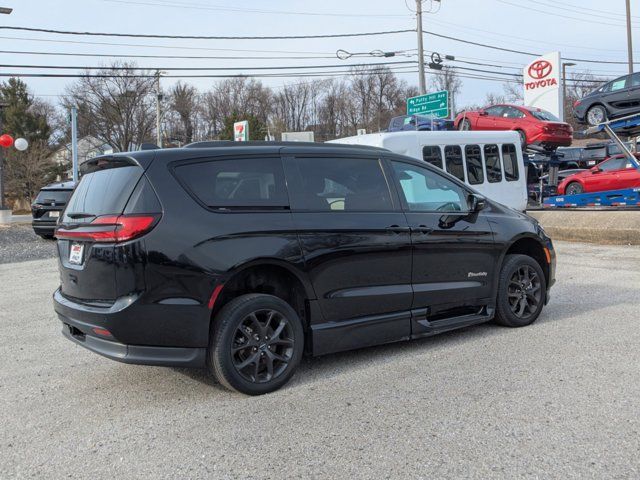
490, 162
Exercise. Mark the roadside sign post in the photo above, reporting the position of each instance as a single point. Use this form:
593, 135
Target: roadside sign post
436, 104
241, 131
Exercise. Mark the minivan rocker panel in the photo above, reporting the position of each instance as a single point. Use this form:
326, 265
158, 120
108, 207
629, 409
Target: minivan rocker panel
240, 258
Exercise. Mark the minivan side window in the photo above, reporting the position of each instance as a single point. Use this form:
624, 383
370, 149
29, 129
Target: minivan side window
427, 191
510, 160
492, 161
453, 160
338, 184
236, 183
433, 155
475, 172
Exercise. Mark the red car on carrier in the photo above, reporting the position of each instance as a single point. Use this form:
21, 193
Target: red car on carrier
535, 126
615, 173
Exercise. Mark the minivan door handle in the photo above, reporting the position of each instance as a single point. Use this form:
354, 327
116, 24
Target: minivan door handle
423, 229
397, 229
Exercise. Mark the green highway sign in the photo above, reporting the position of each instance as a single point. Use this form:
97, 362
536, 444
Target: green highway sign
436, 104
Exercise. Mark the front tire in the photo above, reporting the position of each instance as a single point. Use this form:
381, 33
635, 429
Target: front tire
464, 125
596, 115
256, 344
574, 188
522, 291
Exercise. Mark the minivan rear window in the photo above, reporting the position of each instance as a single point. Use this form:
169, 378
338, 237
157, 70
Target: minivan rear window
236, 183
102, 192
338, 185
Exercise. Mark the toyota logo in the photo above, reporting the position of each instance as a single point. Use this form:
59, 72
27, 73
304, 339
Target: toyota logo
540, 69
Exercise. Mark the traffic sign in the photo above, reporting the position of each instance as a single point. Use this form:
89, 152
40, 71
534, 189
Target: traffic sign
436, 104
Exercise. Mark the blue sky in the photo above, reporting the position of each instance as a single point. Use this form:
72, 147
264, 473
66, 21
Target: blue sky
596, 31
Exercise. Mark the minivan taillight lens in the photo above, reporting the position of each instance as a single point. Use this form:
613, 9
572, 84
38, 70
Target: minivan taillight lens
110, 228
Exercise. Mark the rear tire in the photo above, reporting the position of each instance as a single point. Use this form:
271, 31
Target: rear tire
256, 344
596, 115
574, 188
522, 290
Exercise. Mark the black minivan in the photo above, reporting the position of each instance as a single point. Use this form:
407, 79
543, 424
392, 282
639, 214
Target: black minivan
241, 257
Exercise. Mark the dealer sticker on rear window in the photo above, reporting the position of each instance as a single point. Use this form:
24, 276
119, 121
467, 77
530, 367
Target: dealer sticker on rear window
75, 254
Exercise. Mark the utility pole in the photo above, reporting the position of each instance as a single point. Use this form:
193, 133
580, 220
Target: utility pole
2, 207
74, 144
423, 83
564, 89
629, 36
5, 214
158, 111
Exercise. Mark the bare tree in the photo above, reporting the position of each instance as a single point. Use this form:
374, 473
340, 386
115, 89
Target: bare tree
447, 79
236, 96
116, 107
28, 171
183, 104
297, 106
513, 92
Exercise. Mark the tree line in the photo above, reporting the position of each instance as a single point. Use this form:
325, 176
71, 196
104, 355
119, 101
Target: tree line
117, 106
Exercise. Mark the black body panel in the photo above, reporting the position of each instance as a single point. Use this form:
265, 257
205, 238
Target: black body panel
363, 277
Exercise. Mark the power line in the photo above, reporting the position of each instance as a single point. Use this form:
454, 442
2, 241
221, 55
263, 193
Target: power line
502, 36
180, 57
521, 52
599, 22
279, 67
201, 6
202, 37
577, 9
173, 47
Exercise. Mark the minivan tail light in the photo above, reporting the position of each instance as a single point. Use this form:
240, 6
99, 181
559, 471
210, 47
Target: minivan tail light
110, 228
578, 102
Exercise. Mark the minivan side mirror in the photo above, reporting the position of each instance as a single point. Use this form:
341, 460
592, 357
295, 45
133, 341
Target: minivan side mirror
483, 113
596, 170
476, 202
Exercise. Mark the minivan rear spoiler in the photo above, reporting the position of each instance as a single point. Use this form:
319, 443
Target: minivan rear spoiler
106, 162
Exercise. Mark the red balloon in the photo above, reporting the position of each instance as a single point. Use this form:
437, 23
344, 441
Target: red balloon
6, 141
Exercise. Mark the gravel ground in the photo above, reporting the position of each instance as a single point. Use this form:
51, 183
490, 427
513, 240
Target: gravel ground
18, 243
558, 399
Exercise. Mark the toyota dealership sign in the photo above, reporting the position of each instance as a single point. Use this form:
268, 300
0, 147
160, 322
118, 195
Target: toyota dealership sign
543, 84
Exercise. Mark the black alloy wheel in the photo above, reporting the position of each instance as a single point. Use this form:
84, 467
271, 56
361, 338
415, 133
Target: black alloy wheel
256, 344
262, 346
522, 291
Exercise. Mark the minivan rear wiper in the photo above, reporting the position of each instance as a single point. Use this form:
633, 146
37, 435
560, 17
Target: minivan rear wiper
79, 215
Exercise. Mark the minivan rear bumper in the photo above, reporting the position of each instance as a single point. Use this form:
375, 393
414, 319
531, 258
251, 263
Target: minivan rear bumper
79, 321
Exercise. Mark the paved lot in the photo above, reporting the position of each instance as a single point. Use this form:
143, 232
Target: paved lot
559, 399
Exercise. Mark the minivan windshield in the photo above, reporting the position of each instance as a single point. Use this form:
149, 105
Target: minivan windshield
102, 192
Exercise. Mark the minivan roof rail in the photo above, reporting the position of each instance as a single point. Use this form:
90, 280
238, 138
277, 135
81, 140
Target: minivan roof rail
230, 143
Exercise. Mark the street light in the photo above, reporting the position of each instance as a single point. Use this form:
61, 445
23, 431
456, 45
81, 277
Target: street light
564, 88
6, 10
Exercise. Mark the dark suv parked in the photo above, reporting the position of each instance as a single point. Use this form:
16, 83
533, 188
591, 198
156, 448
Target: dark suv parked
48, 205
242, 257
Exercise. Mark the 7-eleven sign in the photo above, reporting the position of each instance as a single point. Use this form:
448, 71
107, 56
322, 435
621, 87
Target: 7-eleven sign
241, 131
